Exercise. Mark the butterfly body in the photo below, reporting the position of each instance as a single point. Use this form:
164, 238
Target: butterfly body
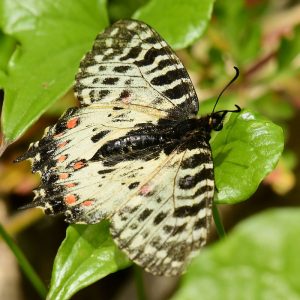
134, 152
167, 136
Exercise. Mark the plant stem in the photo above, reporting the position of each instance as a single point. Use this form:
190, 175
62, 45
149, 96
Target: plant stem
139, 283
219, 225
24, 264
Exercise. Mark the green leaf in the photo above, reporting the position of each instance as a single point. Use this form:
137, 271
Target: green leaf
244, 152
52, 38
120, 9
87, 254
179, 22
7, 46
258, 260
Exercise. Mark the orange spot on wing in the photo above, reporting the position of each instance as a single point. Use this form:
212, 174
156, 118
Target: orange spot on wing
69, 185
63, 175
61, 145
88, 203
70, 199
78, 165
72, 123
62, 158
58, 135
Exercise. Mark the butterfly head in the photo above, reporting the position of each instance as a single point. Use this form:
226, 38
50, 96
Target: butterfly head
216, 119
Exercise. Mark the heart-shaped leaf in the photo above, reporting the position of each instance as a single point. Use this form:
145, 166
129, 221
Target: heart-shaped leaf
258, 260
87, 254
244, 152
179, 22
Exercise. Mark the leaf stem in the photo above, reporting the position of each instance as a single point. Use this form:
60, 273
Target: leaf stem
3, 144
219, 225
139, 283
24, 264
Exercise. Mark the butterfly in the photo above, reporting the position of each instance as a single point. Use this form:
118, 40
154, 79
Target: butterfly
135, 152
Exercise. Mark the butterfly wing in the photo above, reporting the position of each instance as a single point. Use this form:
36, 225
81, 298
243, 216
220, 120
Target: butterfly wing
166, 221
130, 63
78, 181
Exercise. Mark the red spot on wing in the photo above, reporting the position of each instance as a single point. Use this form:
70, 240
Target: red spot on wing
63, 175
88, 203
70, 199
72, 123
61, 145
62, 158
56, 136
145, 189
78, 165
70, 185
126, 100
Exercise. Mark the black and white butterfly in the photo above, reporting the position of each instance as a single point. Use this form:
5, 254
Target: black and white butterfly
134, 152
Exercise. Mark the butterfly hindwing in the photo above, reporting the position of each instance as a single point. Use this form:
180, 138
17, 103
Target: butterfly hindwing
166, 221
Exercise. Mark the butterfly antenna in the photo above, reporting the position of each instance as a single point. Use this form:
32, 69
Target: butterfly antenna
237, 73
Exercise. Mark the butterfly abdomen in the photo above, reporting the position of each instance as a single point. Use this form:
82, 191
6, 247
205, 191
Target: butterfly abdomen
132, 143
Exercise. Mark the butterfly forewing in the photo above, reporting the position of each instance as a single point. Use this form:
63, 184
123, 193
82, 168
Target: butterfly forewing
130, 63
128, 154
74, 178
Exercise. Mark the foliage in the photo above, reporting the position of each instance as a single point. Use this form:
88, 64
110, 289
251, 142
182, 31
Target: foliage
246, 150
86, 255
42, 66
258, 260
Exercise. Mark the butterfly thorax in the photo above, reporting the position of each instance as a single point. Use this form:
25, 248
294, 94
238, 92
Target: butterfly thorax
193, 127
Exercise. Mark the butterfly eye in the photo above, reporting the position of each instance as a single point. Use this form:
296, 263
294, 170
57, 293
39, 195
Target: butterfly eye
216, 121
218, 126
